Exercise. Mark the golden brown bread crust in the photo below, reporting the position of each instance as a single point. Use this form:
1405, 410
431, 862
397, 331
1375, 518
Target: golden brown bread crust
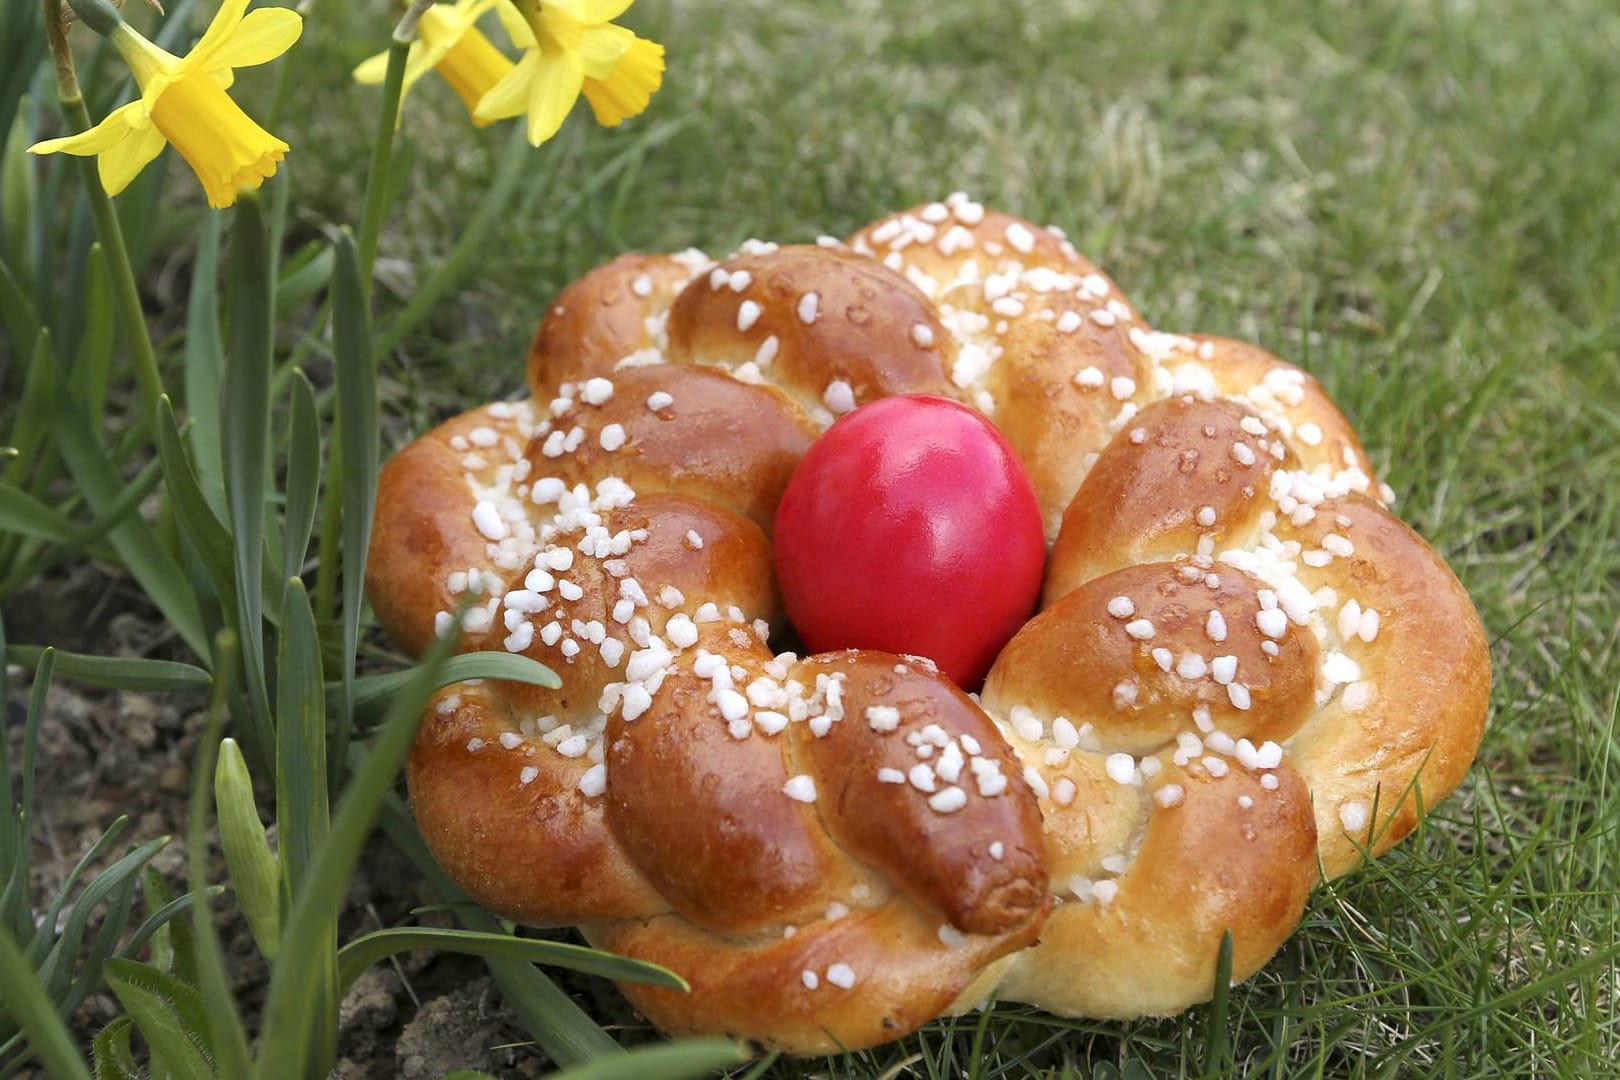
1141, 501
1205, 866
1408, 728
718, 440
904, 975
942, 861
545, 830
602, 318
732, 855
1246, 671
860, 328
1078, 659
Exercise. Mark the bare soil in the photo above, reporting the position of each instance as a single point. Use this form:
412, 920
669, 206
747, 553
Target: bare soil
103, 754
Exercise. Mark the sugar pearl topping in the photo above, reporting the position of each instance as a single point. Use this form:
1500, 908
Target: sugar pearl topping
556, 576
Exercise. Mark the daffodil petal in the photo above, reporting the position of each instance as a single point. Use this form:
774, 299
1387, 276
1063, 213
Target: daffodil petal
601, 11
121, 163
472, 67
147, 61
574, 9
555, 89
155, 68
516, 27
225, 77
510, 96
112, 129
421, 60
372, 70
627, 91
601, 48
436, 35
226, 20
261, 37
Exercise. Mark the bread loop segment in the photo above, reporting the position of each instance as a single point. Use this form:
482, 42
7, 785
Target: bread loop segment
850, 828
1245, 671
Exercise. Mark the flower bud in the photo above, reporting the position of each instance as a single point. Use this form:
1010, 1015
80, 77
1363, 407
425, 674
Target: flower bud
99, 15
248, 860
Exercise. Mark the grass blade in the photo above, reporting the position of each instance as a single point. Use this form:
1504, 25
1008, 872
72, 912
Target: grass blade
16, 313
303, 476
23, 515
156, 895
302, 816
92, 363
16, 913
32, 421
1217, 1039
117, 672
225, 1034
159, 576
55, 973
669, 1061
204, 361
302, 278
561, 1028
279, 190
103, 947
357, 431
27, 1003
363, 952
28, 518
86, 539
297, 978
14, 841
516, 164
160, 920
246, 435
46, 928
36, 716
372, 693
19, 196
301, 807
197, 518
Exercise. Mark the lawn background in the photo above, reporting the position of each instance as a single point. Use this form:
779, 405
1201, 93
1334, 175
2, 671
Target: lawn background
1416, 201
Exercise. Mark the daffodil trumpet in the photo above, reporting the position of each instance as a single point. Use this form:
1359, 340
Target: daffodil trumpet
448, 41
184, 102
572, 47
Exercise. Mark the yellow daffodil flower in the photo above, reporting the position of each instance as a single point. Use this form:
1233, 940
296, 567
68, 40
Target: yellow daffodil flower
573, 47
449, 40
183, 101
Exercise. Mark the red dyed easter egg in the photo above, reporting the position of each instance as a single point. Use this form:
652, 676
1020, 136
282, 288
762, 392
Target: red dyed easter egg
911, 527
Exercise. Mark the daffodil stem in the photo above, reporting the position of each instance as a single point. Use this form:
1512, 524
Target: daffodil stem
453, 266
127, 296
125, 293
67, 80
382, 155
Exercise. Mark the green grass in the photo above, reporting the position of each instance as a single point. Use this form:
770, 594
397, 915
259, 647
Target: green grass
1415, 199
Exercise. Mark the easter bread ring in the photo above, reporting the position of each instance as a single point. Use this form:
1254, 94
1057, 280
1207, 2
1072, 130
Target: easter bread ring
1245, 673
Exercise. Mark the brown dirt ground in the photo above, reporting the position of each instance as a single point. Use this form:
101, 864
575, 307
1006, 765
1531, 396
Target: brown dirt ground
106, 753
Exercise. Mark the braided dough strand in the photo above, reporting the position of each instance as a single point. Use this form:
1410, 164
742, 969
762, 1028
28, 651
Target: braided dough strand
1245, 674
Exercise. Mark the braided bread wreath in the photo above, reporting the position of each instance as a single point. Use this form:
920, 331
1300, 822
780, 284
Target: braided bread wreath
1245, 675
